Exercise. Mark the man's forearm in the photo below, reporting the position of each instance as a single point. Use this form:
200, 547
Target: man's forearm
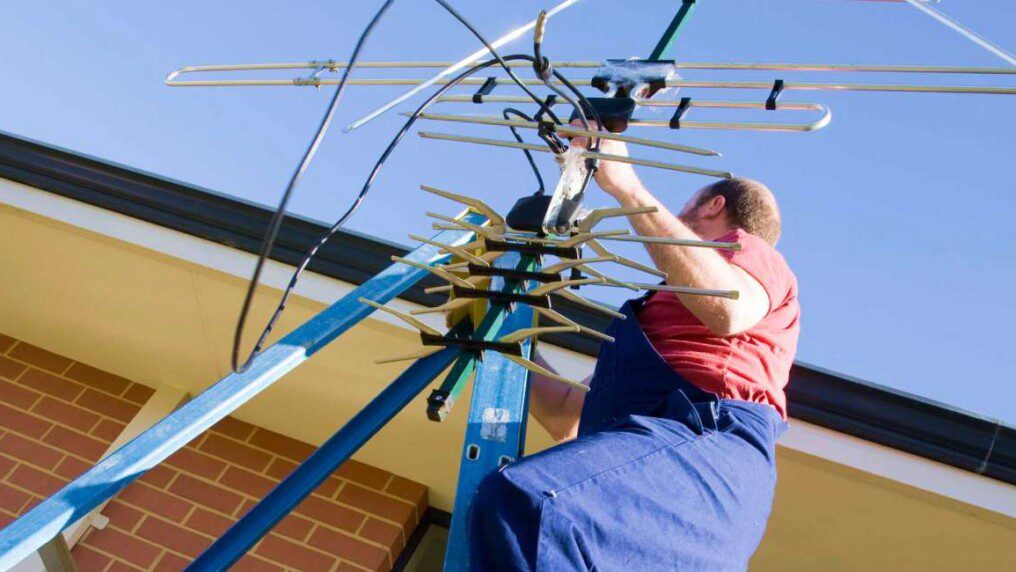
701, 268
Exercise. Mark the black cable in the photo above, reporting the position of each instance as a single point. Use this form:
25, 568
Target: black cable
529, 156
546, 109
276, 222
312, 252
538, 63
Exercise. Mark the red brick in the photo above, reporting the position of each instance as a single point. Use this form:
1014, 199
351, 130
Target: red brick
120, 566
196, 463
384, 533
39, 357
378, 504
295, 555
31, 451
364, 474
233, 427
247, 482
330, 513
171, 536
97, 378
40, 483
5, 519
138, 393
11, 369
12, 500
76, 443
153, 500
349, 548
171, 563
294, 526
108, 430
347, 567
125, 546
208, 522
411, 491
16, 395
32, 503
108, 405
6, 342
254, 564
281, 445
245, 507
63, 412
122, 516
206, 494
327, 489
51, 384
72, 467
235, 452
22, 422
280, 468
89, 560
5, 466
158, 476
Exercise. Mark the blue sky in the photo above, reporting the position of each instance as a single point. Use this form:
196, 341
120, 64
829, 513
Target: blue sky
898, 217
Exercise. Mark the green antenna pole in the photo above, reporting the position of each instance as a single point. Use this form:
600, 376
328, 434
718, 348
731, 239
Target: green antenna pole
667, 41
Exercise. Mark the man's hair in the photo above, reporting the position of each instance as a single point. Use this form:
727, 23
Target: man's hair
749, 205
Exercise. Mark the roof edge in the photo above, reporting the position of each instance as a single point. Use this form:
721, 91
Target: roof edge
843, 403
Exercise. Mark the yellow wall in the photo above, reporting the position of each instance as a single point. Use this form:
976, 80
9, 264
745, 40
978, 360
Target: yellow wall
830, 517
158, 319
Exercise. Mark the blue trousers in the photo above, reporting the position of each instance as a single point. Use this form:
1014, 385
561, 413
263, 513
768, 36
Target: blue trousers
663, 476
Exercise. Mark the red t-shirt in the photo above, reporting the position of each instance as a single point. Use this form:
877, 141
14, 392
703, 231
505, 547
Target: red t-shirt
753, 365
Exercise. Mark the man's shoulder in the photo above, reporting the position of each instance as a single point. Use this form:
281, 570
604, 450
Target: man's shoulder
762, 260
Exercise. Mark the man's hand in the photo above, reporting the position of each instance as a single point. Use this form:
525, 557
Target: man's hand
689, 267
615, 178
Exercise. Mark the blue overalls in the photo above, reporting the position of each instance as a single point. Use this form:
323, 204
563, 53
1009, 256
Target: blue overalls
663, 476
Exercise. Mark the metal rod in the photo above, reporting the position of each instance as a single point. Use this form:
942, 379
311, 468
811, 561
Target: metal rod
588, 154
670, 34
116, 471
675, 241
780, 105
731, 294
333, 65
496, 425
569, 130
282, 499
964, 31
711, 84
461, 64
815, 125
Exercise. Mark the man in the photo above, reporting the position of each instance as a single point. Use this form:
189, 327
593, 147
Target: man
669, 460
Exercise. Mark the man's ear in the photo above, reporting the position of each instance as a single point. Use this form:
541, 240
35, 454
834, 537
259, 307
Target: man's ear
714, 207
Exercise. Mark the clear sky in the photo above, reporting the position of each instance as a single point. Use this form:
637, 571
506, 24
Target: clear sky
898, 218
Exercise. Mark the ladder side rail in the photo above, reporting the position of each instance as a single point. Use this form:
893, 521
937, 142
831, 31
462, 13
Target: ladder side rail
33, 529
496, 423
282, 499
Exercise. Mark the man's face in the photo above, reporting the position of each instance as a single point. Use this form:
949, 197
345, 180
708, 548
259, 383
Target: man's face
689, 213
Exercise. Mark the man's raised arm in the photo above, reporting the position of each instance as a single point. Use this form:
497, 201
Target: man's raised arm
701, 268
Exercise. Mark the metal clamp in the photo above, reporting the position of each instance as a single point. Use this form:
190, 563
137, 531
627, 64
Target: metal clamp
487, 87
501, 297
682, 108
567, 252
472, 345
778, 86
513, 274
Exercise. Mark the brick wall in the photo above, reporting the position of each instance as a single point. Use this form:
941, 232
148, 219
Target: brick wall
57, 417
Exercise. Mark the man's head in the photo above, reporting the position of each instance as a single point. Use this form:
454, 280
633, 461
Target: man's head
733, 203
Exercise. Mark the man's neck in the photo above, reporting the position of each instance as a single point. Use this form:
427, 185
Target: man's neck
714, 233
